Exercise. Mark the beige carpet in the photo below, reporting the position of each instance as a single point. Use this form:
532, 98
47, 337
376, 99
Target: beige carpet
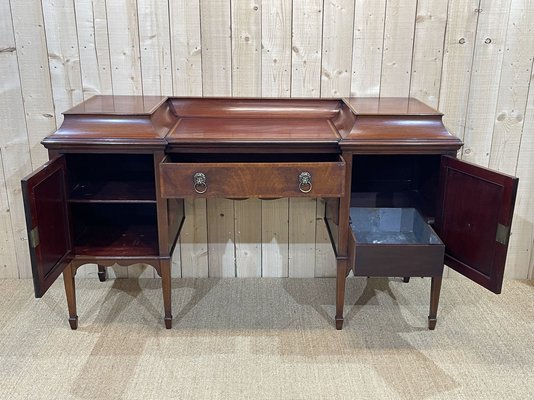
267, 339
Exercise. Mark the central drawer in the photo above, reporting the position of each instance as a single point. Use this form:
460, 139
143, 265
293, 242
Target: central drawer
260, 176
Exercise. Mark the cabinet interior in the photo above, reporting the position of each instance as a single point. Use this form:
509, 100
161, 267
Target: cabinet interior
396, 181
114, 178
112, 200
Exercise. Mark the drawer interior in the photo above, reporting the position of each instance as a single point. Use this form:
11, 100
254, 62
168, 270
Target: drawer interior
391, 226
250, 158
393, 242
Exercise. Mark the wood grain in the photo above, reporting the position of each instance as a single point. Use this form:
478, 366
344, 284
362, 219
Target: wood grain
13, 139
186, 52
246, 48
124, 47
95, 63
216, 48
427, 59
155, 47
63, 55
275, 238
398, 46
306, 47
336, 60
276, 48
193, 240
484, 89
367, 47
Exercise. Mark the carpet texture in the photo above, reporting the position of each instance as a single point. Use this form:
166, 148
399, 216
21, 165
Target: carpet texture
267, 339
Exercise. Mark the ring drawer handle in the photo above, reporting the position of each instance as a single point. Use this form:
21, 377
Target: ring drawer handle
199, 181
305, 182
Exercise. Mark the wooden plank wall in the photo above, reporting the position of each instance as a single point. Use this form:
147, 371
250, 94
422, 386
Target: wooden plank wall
472, 59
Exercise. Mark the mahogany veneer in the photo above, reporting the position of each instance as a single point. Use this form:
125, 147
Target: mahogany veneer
121, 166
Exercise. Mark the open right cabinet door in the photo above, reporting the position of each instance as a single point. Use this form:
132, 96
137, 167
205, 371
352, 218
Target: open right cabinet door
473, 219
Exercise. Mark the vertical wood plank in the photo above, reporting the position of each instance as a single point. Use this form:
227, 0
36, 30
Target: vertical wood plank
16, 160
514, 87
8, 255
276, 82
369, 16
428, 50
302, 212
336, 68
276, 48
509, 133
306, 47
32, 55
92, 27
246, 48
248, 238
520, 260
63, 55
176, 262
217, 81
193, 240
275, 238
487, 65
221, 238
155, 45
457, 64
14, 155
124, 47
186, 47
398, 45
246, 82
216, 48
325, 258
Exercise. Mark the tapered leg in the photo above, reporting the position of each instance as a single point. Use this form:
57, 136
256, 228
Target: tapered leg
70, 292
102, 273
166, 288
340, 292
406, 279
435, 290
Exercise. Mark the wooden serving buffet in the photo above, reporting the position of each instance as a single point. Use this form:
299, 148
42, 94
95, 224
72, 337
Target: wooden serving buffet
121, 166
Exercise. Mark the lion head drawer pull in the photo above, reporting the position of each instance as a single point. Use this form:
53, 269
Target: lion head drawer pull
199, 180
305, 183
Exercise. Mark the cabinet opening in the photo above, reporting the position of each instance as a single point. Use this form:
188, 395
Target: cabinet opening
109, 178
251, 158
114, 229
396, 181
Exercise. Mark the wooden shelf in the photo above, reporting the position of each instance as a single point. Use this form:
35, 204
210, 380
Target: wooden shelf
118, 240
142, 191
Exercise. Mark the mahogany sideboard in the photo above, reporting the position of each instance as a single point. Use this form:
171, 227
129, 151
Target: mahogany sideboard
398, 201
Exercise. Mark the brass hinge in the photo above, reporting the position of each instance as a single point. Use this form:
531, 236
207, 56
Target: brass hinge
34, 237
503, 234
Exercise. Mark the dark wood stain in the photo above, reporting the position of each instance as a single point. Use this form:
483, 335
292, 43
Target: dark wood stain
122, 166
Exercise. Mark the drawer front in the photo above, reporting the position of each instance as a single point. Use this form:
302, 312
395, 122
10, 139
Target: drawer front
395, 260
262, 180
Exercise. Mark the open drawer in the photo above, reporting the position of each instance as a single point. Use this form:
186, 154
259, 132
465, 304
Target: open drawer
393, 242
252, 175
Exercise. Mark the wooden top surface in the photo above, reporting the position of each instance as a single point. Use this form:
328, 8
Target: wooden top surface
357, 124
118, 105
254, 129
389, 106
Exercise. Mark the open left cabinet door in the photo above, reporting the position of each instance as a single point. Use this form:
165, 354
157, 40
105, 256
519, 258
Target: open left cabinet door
473, 219
45, 204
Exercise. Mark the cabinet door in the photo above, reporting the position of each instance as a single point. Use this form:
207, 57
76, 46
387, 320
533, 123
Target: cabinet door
45, 204
473, 219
